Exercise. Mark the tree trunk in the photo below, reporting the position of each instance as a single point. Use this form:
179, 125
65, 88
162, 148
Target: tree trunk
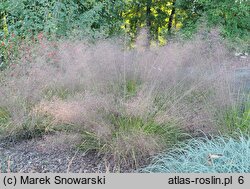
148, 21
171, 17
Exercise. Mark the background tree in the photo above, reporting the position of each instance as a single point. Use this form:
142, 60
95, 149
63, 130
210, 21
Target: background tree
106, 18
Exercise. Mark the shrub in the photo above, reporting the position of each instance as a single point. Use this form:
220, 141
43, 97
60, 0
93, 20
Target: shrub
216, 155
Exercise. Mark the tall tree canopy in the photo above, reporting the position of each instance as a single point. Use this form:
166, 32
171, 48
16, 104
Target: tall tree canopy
110, 17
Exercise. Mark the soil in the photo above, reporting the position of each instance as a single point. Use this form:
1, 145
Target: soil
55, 153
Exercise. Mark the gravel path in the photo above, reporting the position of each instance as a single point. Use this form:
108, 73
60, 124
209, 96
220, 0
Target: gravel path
52, 153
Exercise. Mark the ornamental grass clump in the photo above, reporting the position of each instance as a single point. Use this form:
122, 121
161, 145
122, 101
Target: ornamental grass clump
204, 155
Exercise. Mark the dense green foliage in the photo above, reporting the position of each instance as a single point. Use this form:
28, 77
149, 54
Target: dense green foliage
29, 17
105, 18
91, 19
234, 16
